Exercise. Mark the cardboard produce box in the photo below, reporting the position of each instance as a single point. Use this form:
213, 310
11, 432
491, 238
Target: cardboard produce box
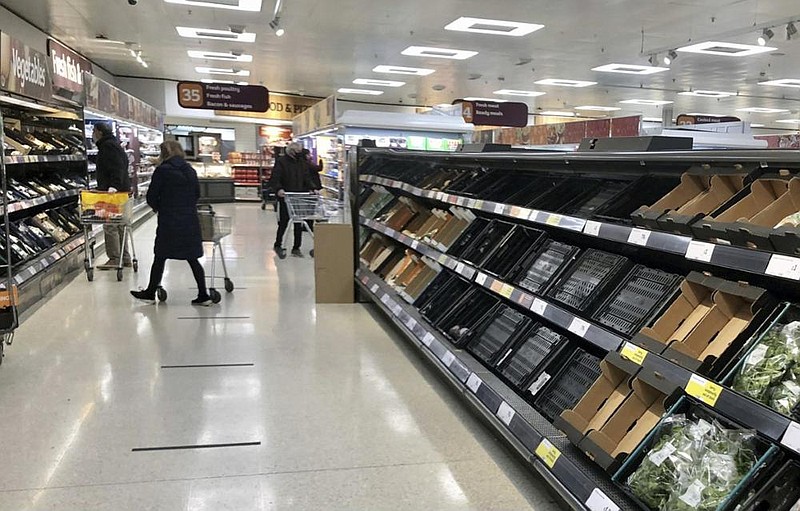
417, 284
333, 263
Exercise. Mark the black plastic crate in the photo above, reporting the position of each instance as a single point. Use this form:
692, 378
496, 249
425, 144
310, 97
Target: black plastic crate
536, 187
642, 294
496, 332
520, 242
443, 292
470, 235
774, 491
478, 184
646, 190
487, 243
465, 179
585, 281
598, 194
464, 315
543, 266
528, 354
509, 185
568, 386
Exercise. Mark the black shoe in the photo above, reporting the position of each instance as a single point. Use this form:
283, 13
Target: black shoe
145, 296
204, 301
280, 251
296, 252
311, 253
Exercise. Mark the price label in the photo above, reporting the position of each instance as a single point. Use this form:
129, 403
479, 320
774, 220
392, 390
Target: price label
448, 359
592, 228
385, 299
452, 199
791, 438
599, 501
374, 288
539, 306
704, 390
633, 353
364, 280
700, 251
533, 215
442, 259
478, 204
516, 212
411, 323
784, 266
415, 245
499, 208
578, 327
553, 219
460, 268
505, 413
639, 237
427, 340
473, 383
462, 201
496, 286
506, 290
471, 203
481, 280
548, 453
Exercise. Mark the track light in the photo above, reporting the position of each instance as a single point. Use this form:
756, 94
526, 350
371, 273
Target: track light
275, 25
791, 31
670, 57
765, 36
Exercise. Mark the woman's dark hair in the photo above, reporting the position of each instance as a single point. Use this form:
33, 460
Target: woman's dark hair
104, 128
171, 148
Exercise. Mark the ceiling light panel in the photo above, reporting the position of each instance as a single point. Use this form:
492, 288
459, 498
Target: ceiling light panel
495, 100
789, 121
513, 92
208, 80
630, 69
215, 55
378, 83
565, 83
760, 110
366, 92
400, 70
553, 113
707, 94
211, 33
594, 108
222, 71
648, 102
438, 53
726, 49
493, 27
785, 82
237, 5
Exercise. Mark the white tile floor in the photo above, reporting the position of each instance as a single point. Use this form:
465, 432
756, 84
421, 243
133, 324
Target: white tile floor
347, 416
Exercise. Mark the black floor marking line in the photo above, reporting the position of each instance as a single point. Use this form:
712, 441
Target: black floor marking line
214, 317
195, 446
192, 366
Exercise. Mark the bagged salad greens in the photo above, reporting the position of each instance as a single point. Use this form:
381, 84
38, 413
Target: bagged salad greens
771, 372
695, 465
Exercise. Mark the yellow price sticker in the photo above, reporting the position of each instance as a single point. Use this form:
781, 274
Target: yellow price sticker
633, 353
553, 219
506, 290
704, 390
548, 453
478, 204
442, 259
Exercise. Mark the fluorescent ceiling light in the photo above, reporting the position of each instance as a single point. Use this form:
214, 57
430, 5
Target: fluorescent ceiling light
652, 119
785, 82
368, 92
486, 99
495, 27
630, 69
756, 125
378, 83
28, 104
216, 55
707, 94
649, 102
565, 83
211, 33
222, 71
598, 108
524, 93
553, 113
759, 110
208, 80
400, 70
789, 121
237, 5
438, 53
726, 49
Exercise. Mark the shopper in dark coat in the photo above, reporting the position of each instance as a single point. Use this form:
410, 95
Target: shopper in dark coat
112, 176
173, 194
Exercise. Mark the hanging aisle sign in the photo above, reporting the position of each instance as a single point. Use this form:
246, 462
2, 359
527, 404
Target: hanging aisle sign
24, 70
68, 67
490, 113
223, 97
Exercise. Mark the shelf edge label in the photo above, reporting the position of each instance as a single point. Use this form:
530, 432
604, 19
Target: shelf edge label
704, 390
548, 453
505, 413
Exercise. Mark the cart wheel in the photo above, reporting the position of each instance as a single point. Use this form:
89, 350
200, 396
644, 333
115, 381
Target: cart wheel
229, 285
90, 274
86, 265
215, 296
135, 265
119, 275
161, 294
263, 206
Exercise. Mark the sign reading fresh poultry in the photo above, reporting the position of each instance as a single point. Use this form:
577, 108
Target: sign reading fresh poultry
223, 97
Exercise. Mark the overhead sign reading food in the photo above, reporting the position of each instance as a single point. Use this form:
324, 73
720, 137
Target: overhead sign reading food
24, 70
281, 107
68, 67
223, 97
490, 113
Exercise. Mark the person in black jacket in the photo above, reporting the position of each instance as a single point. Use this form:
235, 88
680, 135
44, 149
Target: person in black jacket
173, 194
112, 176
292, 173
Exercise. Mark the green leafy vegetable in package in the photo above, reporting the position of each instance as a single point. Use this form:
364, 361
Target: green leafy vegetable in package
695, 465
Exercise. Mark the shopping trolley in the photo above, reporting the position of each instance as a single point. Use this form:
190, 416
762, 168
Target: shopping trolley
106, 208
213, 228
307, 207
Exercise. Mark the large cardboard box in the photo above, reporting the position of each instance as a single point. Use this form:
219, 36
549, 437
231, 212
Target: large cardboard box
334, 263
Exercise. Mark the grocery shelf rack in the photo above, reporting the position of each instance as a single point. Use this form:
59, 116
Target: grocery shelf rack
565, 467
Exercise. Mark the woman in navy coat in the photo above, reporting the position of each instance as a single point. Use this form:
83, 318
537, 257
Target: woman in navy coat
173, 194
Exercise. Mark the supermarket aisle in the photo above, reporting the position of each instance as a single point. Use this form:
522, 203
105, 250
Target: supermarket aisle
332, 411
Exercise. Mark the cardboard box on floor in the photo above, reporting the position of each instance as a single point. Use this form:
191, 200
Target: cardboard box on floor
333, 263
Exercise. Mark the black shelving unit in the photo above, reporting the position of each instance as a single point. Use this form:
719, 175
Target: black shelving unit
572, 474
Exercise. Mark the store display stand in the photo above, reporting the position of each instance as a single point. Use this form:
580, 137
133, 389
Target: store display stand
9, 317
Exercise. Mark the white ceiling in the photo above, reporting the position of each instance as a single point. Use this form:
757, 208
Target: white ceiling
329, 43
